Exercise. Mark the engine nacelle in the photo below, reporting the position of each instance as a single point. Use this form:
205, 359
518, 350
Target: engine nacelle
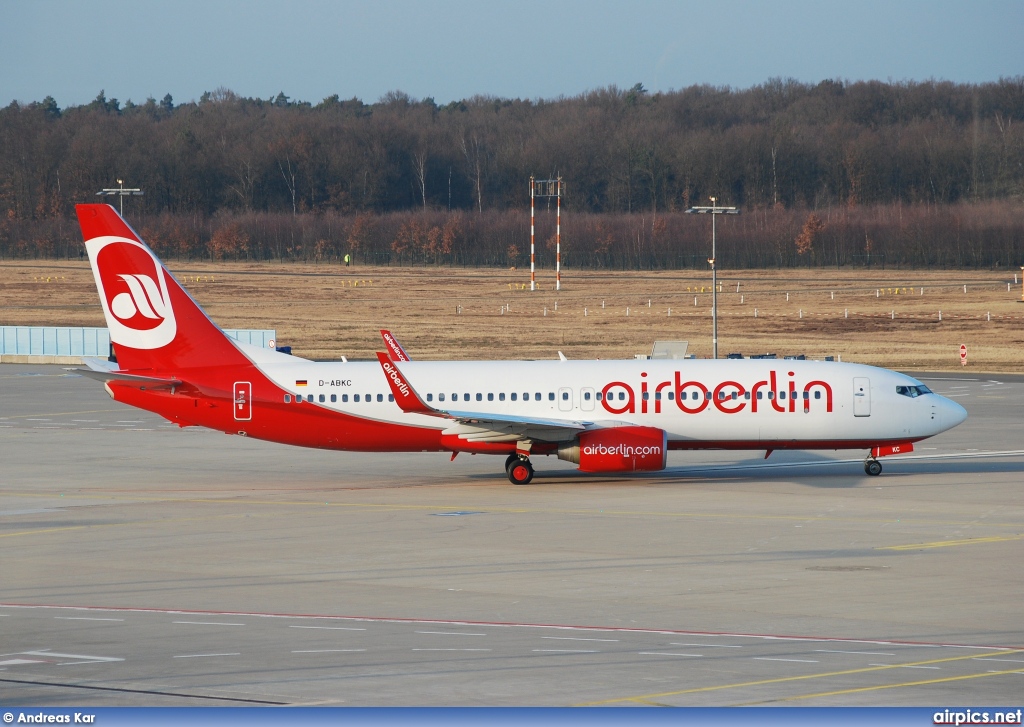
618, 449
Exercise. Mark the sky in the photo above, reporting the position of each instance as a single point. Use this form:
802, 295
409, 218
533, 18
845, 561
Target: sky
455, 49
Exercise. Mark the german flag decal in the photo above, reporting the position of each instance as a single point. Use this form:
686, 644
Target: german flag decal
301, 382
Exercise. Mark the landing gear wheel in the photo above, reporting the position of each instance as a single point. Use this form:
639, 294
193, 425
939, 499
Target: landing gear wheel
510, 459
520, 472
873, 467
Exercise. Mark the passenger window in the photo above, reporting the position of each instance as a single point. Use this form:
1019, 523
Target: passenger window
322, 398
490, 396
817, 394
334, 398
721, 396
782, 394
287, 398
735, 394
759, 395
465, 397
309, 398
565, 396
671, 395
513, 396
622, 396
440, 397
380, 397
501, 396
646, 396
344, 398
526, 396
657, 396
599, 395
391, 397
368, 398
479, 397
746, 395
355, 397
771, 394
807, 395
430, 397
706, 396
586, 396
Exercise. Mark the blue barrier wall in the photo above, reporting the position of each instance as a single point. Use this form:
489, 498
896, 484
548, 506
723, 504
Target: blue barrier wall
66, 341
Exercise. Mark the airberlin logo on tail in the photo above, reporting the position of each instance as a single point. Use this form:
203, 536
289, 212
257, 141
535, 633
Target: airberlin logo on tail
133, 288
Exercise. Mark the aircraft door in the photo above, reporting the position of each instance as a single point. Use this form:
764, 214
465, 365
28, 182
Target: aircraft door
861, 397
565, 399
587, 399
243, 401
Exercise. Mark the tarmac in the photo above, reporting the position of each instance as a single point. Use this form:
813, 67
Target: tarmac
141, 564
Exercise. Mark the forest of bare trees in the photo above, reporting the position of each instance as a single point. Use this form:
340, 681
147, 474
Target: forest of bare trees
836, 173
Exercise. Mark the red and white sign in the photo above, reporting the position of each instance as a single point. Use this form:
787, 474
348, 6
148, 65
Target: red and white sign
243, 401
963, 354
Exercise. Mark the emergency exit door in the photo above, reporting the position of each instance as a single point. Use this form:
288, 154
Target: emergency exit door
243, 401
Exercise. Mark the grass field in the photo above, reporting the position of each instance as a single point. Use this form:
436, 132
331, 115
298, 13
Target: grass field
883, 317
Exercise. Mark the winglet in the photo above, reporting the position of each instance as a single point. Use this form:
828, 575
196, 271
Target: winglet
395, 350
405, 397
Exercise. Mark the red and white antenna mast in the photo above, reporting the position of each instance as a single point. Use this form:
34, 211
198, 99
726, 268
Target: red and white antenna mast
547, 188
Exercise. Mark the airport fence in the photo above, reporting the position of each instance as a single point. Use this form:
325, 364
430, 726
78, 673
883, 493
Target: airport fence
67, 344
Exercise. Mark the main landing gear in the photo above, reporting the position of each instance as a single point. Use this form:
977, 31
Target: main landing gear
872, 467
519, 470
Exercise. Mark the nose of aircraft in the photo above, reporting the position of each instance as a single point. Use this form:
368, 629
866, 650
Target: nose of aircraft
952, 414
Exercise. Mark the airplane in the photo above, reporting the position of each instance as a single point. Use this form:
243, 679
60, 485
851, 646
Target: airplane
605, 416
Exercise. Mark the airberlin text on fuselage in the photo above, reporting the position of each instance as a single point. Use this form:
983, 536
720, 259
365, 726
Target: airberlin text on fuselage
728, 397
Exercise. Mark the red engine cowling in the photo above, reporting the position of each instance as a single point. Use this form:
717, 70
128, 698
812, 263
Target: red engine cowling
618, 449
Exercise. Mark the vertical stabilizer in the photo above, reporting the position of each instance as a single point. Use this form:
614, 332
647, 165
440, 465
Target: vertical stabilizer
154, 323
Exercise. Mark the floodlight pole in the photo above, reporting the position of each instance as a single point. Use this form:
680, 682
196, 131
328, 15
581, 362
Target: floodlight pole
121, 192
714, 209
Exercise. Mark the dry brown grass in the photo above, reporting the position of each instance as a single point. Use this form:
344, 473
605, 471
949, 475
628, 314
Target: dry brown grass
327, 311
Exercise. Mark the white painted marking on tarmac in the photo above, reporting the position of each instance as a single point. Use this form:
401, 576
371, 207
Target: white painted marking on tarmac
18, 662
199, 656
209, 623
323, 651
665, 653
451, 649
574, 638
906, 666
329, 628
868, 653
449, 633
567, 651
710, 646
39, 420
47, 653
982, 658
772, 658
85, 618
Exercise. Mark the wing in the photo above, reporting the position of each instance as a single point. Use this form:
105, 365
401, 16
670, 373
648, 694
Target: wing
480, 426
395, 350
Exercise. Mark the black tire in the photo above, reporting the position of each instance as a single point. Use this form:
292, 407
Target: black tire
873, 467
521, 472
510, 459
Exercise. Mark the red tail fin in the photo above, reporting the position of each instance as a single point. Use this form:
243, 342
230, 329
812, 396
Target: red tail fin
154, 323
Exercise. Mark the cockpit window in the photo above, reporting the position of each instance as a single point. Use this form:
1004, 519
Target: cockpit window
913, 391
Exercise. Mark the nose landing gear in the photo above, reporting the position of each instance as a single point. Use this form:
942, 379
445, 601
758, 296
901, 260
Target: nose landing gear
872, 467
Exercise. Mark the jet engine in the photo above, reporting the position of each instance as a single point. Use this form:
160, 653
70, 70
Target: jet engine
618, 449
